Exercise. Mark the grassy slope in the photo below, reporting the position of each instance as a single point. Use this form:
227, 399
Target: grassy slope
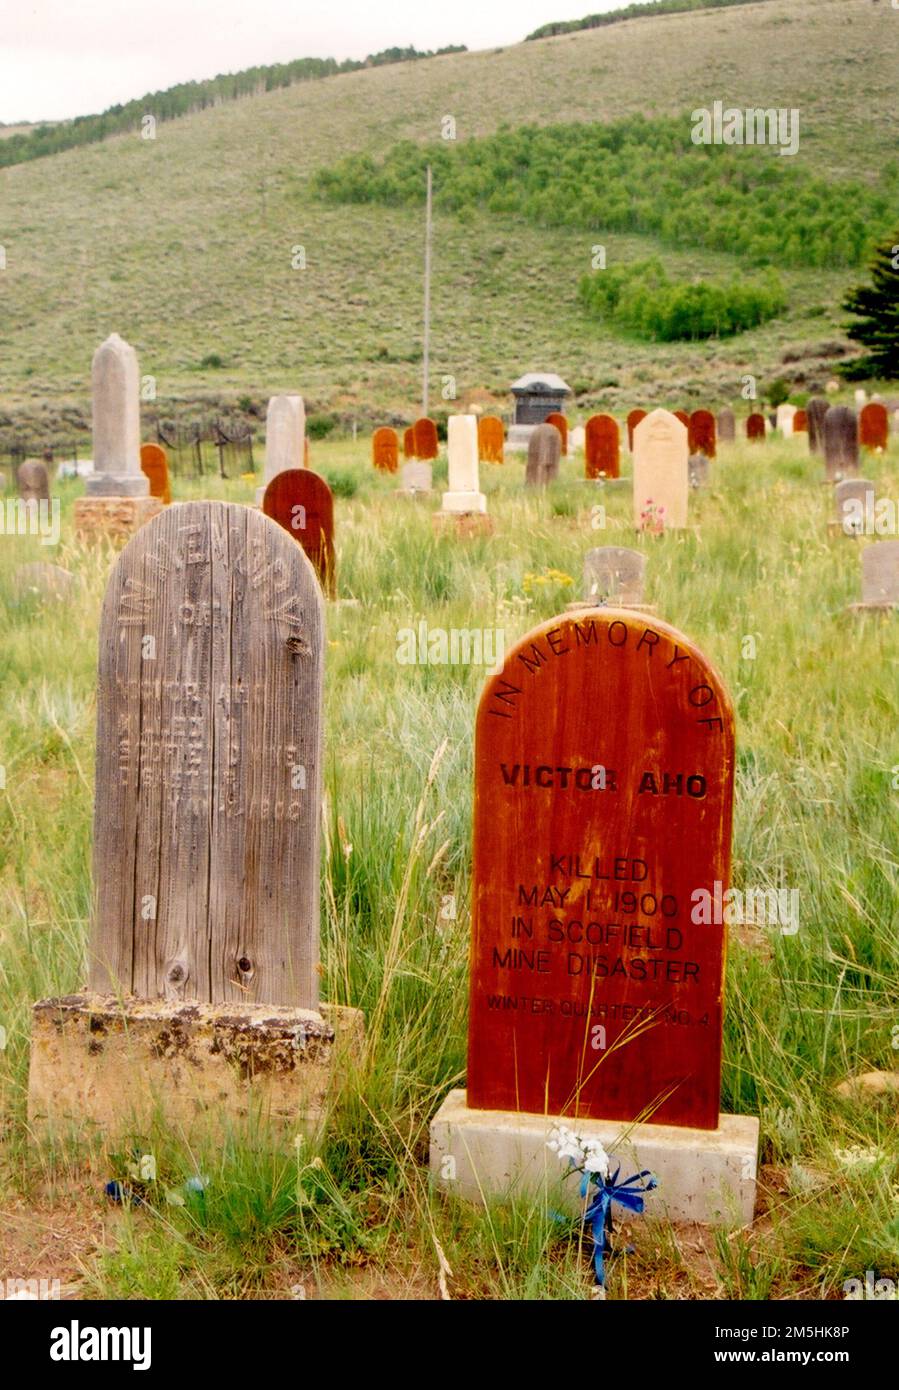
171, 243
817, 712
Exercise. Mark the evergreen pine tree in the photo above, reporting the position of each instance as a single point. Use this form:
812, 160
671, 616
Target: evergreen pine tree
876, 307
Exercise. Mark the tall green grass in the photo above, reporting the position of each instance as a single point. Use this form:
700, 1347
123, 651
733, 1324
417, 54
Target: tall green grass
350, 1212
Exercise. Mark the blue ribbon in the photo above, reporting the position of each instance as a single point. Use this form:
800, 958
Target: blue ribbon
598, 1213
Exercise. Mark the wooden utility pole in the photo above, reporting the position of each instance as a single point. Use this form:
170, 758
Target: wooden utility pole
427, 334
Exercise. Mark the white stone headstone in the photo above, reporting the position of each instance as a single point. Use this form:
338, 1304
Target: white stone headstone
661, 477
785, 416
464, 494
115, 387
576, 439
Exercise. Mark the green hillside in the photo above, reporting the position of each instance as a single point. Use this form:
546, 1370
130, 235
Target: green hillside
184, 244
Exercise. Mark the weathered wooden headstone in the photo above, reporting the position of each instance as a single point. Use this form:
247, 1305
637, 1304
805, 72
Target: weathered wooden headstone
34, 484
209, 701
880, 578
424, 433
491, 439
661, 480
409, 443
117, 500
204, 941
614, 575
699, 469
726, 425
591, 912
702, 434
301, 502
840, 434
854, 502
155, 465
755, 426
385, 449
815, 410
800, 422
544, 449
633, 421
874, 426
556, 418
602, 447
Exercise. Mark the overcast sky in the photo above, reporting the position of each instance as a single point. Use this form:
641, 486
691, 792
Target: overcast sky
62, 58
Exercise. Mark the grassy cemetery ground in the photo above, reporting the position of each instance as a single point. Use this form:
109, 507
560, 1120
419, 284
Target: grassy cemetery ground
350, 1214
185, 244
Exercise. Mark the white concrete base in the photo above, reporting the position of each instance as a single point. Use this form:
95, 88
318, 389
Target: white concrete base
706, 1176
466, 502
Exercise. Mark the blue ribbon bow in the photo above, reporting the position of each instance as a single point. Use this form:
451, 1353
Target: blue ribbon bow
598, 1213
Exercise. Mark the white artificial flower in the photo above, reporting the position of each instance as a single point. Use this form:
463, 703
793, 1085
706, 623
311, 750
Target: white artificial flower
596, 1160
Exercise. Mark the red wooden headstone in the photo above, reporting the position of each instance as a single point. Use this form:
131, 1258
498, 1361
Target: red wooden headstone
755, 427
604, 766
555, 417
602, 449
874, 426
800, 422
424, 433
385, 449
702, 433
154, 464
409, 443
491, 439
683, 417
301, 502
633, 421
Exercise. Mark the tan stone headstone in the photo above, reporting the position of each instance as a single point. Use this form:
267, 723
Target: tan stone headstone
115, 387
661, 477
285, 439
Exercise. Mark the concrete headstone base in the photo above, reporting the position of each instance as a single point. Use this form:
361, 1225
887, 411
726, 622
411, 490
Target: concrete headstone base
101, 1066
577, 604
113, 518
463, 524
706, 1176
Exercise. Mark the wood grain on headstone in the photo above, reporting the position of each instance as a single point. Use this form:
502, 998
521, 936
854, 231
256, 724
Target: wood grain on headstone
155, 466
206, 820
385, 449
301, 502
633, 421
602, 447
604, 766
424, 434
491, 439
